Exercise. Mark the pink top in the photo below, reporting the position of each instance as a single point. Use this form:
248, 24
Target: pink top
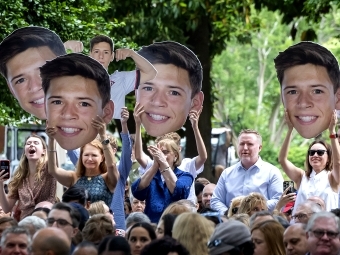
43, 190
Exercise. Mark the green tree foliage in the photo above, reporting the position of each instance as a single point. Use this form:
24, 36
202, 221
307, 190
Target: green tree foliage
70, 19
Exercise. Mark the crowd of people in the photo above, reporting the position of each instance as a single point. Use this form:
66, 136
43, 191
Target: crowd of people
153, 202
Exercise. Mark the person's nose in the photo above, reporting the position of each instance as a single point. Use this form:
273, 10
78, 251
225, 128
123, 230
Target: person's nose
69, 112
34, 83
158, 99
101, 54
138, 243
304, 100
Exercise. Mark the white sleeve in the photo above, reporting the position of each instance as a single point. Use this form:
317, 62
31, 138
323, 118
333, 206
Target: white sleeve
148, 165
189, 165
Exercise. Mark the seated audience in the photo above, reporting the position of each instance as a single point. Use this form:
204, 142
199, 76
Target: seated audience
7, 222
267, 237
304, 211
164, 227
193, 231
295, 240
140, 235
236, 239
51, 241
136, 217
165, 246
234, 205
32, 224
114, 245
85, 248
15, 240
96, 228
252, 203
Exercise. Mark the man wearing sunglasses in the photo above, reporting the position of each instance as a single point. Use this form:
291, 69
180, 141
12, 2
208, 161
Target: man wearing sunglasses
66, 218
323, 234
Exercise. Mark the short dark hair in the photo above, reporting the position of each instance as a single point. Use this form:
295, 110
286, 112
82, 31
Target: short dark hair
148, 227
77, 64
198, 188
75, 192
28, 37
74, 214
114, 243
164, 246
308, 53
179, 55
99, 39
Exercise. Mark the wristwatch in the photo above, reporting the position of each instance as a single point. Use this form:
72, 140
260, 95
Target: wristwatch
105, 142
333, 136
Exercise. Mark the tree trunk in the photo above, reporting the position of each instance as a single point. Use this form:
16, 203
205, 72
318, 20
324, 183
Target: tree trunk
199, 43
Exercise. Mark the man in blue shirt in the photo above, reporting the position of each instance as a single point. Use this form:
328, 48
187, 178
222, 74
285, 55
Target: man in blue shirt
251, 174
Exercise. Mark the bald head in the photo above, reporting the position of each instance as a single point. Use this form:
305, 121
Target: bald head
318, 201
51, 239
207, 193
44, 204
294, 239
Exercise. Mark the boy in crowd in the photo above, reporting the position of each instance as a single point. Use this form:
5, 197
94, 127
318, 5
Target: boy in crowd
122, 83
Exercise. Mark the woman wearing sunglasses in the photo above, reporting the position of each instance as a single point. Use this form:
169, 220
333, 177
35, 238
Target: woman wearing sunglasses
321, 177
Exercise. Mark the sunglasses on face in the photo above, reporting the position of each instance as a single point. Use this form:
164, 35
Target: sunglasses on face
321, 233
319, 152
234, 210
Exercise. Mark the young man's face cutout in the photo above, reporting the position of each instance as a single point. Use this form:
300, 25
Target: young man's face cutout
167, 100
308, 95
72, 102
23, 79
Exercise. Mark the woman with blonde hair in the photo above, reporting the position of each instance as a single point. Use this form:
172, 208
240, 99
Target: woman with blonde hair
267, 237
253, 203
193, 231
96, 169
163, 183
234, 205
100, 207
31, 182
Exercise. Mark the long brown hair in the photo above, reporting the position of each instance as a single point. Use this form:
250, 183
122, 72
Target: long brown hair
329, 164
22, 171
273, 236
80, 170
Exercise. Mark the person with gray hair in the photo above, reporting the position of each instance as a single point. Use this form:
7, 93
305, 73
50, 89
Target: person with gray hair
32, 224
136, 205
259, 217
323, 234
15, 240
136, 217
305, 210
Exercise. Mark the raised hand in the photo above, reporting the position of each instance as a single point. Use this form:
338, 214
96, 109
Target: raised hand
158, 156
332, 124
122, 54
137, 113
74, 46
51, 132
99, 124
194, 117
124, 115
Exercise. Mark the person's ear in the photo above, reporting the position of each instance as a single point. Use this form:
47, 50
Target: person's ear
108, 111
74, 232
112, 56
197, 101
337, 99
260, 148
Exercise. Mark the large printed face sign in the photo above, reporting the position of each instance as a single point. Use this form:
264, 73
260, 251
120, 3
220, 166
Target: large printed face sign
168, 98
309, 76
77, 99
21, 55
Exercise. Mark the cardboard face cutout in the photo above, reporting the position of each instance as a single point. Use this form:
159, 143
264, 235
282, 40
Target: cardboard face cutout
309, 76
166, 101
21, 55
77, 99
